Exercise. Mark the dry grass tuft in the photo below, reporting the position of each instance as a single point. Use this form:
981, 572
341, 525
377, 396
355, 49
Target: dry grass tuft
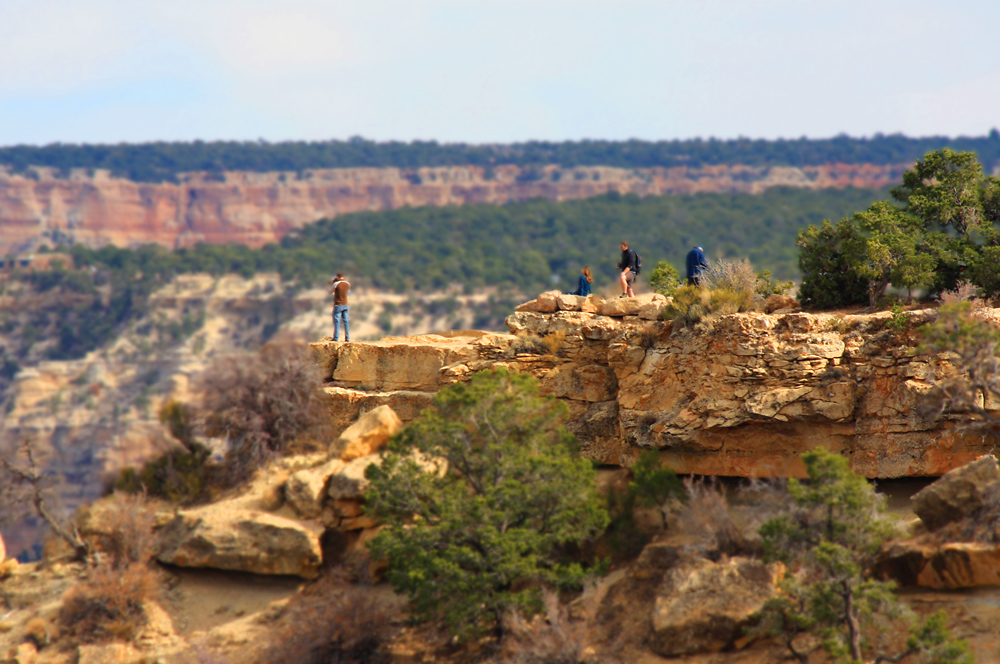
332, 622
554, 342
648, 335
726, 522
133, 540
550, 638
964, 292
737, 276
528, 344
109, 605
264, 405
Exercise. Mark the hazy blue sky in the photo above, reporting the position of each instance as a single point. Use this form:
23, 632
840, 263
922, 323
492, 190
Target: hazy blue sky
485, 70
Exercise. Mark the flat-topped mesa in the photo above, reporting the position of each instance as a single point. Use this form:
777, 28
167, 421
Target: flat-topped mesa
96, 208
742, 396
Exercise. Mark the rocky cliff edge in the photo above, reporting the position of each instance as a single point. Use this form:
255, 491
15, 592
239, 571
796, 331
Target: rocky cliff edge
740, 396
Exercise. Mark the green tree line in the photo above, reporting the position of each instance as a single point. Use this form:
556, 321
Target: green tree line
163, 161
526, 247
942, 228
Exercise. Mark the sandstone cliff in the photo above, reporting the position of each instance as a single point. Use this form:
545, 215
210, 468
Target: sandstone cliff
256, 208
742, 397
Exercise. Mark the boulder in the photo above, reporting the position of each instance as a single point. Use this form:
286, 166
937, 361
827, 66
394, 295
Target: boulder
227, 536
349, 483
368, 435
957, 494
776, 303
570, 302
621, 306
546, 303
948, 566
591, 304
305, 489
705, 606
653, 310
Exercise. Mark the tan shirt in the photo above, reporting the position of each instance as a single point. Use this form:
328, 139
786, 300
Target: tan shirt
340, 289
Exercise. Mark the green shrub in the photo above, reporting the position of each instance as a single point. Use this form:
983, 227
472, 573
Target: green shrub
829, 539
664, 279
179, 476
767, 285
828, 276
690, 305
529, 344
479, 497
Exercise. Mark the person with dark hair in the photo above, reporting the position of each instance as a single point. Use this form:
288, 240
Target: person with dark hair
339, 286
696, 263
583, 287
629, 265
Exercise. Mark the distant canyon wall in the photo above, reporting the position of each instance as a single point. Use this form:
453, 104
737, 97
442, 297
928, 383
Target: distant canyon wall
96, 209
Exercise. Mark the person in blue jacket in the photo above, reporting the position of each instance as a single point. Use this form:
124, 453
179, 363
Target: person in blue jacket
696, 263
583, 287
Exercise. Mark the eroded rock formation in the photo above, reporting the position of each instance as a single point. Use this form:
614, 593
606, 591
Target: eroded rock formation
256, 208
742, 396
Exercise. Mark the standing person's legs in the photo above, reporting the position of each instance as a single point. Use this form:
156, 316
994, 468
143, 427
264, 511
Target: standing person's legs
622, 278
340, 313
628, 283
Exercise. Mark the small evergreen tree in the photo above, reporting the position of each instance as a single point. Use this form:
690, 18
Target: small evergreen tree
892, 251
829, 542
828, 276
479, 496
664, 279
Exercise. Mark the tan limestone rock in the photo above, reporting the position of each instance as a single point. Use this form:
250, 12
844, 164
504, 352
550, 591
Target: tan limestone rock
401, 363
570, 302
306, 488
227, 536
584, 383
947, 566
705, 606
591, 304
776, 303
368, 435
957, 494
109, 653
548, 302
346, 405
349, 483
621, 306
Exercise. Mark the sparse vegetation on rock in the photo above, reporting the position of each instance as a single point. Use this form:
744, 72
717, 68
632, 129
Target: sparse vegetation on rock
478, 495
829, 542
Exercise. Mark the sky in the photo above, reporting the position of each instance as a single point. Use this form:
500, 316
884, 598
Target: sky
483, 71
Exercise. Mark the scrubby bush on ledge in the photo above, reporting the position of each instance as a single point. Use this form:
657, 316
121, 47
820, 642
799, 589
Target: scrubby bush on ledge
479, 495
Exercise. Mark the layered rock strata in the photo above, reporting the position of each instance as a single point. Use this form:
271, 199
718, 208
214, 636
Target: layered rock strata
743, 395
96, 209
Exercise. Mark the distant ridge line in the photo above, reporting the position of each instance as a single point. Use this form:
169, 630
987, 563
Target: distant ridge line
166, 161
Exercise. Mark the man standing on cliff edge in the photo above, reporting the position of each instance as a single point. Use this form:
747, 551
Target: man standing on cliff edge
629, 266
339, 287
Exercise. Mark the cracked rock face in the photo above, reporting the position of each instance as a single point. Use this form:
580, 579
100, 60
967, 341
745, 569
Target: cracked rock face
741, 396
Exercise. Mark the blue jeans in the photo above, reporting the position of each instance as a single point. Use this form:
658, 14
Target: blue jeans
340, 313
